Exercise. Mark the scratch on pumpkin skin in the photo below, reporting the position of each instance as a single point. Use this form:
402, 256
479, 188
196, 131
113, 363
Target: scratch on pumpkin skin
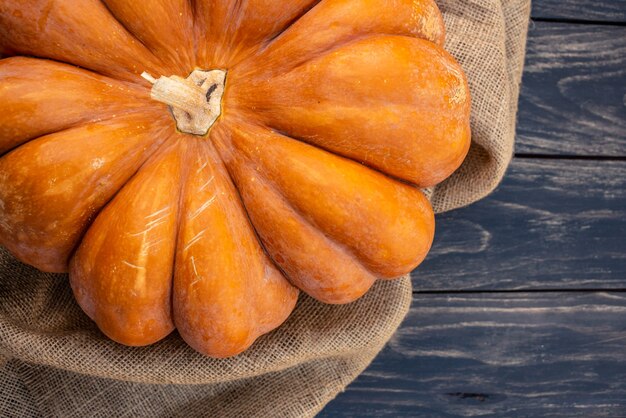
202, 167
202, 208
158, 221
158, 212
153, 244
140, 279
136, 267
205, 185
195, 271
194, 240
151, 225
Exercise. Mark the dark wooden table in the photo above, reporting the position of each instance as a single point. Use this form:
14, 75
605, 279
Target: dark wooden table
520, 309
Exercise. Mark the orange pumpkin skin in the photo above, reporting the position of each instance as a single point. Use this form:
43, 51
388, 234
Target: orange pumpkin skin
334, 113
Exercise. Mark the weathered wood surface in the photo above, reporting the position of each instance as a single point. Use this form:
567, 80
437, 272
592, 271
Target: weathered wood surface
552, 224
499, 355
589, 10
573, 96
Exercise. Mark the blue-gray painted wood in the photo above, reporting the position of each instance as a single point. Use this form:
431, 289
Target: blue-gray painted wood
499, 355
552, 224
573, 96
589, 10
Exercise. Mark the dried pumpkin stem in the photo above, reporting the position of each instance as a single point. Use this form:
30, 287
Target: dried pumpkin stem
196, 102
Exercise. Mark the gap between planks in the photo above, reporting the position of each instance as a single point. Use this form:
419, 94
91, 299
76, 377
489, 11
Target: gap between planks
523, 155
513, 291
577, 21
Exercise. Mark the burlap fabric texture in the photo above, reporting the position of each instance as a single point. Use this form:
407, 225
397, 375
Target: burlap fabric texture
57, 363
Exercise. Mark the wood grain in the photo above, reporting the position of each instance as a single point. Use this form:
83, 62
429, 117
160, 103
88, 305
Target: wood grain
552, 224
573, 96
592, 10
494, 355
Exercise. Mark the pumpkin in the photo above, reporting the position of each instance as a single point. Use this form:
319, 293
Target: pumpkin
194, 165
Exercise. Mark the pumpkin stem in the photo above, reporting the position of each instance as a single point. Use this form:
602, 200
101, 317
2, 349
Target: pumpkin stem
196, 102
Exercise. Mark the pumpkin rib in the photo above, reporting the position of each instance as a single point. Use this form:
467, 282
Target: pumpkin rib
77, 125
336, 297
333, 242
245, 27
210, 134
355, 291
289, 25
130, 83
301, 103
296, 148
389, 176
39, 253
100, 269
341, 247
244, 207
179, 211
29, 111
37, 29
292, 49
263, 44
234, 72
177, 67
395, 177
139, 83
183, 179
204, 26
128, 31
211, 292
88, 71
157, 150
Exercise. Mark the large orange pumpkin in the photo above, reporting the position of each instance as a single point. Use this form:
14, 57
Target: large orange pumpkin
192, 164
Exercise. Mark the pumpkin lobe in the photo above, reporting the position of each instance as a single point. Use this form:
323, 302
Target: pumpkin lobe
195, 102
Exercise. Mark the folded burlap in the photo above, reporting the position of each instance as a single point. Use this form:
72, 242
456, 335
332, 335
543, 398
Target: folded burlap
57, 363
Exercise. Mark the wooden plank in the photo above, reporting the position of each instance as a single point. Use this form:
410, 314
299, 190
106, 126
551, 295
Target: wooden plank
591, 10
494, 355
552, 224
573, 96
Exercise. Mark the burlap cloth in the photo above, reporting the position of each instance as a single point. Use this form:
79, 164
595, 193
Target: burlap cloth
56, 362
